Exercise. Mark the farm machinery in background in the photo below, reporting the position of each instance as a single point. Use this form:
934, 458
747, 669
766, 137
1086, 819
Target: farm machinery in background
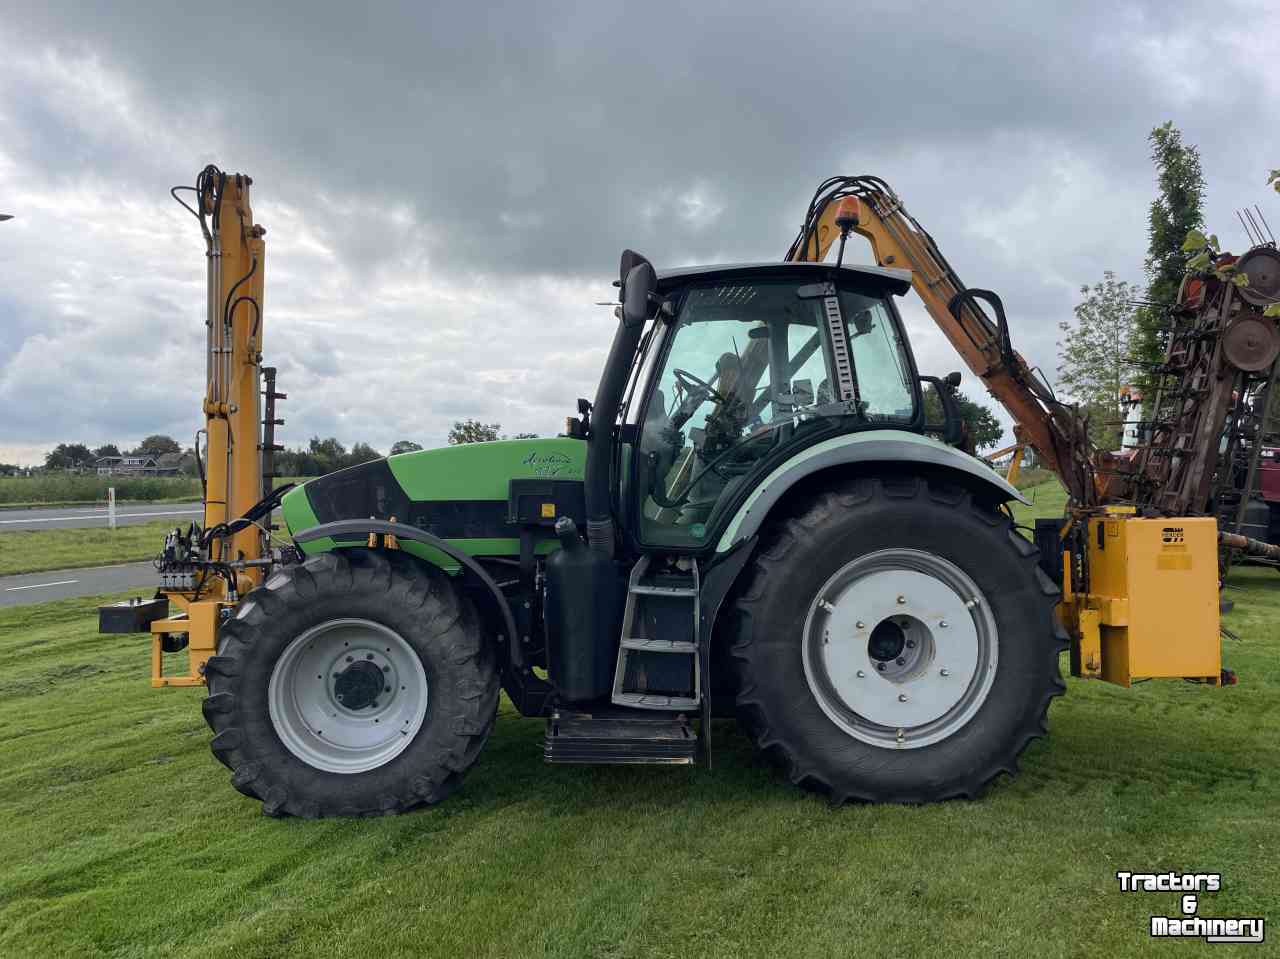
753, 517
1209, 447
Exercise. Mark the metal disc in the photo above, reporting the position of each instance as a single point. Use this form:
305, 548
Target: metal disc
1251, 343
900, 648
1262, 266
333, 662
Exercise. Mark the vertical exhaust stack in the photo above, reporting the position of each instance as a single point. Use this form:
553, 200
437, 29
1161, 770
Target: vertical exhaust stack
639, 281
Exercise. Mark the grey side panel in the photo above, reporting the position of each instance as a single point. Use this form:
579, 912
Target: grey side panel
875, 446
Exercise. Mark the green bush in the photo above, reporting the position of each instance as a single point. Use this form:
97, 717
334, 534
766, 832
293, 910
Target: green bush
55, 488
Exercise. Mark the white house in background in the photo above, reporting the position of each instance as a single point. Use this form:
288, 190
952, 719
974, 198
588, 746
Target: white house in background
167, 464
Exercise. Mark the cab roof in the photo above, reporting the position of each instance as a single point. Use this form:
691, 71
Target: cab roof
894, 280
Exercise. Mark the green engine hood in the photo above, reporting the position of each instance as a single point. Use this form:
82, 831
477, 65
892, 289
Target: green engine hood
460, 493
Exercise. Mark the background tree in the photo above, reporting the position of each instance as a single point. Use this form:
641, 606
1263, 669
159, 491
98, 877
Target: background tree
362, 453
157, 445
404, 446
327, 455
473, 431
984, 429
1093, 355
524, 436
68, 456
106, 449
1175, 212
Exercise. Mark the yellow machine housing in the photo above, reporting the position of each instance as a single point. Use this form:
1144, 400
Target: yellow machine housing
1151, 609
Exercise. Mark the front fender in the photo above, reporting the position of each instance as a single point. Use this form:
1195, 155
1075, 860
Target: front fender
327, 535
873, 446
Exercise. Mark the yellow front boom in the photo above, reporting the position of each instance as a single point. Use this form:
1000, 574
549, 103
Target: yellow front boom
232, 407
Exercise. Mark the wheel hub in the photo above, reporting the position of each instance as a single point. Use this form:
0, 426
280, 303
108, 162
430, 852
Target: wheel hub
359, 685
900, 648
348, 695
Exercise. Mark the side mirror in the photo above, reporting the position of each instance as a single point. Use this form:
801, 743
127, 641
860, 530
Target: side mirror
638, 287
952, 379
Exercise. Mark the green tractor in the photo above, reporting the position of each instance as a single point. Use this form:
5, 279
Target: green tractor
751, 519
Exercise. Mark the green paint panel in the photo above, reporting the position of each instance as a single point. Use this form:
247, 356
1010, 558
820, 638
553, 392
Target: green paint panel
478, 471
472, 471
298, 515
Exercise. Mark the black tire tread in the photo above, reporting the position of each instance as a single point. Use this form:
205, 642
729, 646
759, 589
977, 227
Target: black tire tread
444, 611
790, 537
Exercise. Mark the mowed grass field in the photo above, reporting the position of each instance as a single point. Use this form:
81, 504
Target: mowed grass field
120, 834
34, 551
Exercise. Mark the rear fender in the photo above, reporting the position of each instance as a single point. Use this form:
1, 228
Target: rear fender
890, 447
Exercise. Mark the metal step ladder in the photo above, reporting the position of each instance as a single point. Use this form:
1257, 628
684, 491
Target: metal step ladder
619, 737
658, 664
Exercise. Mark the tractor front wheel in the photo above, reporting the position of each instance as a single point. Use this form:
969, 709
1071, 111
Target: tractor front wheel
354, 684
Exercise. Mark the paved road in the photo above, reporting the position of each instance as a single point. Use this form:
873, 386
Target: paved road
65, 583
69, 517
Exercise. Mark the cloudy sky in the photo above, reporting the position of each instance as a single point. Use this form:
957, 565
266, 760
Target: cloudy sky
447, 187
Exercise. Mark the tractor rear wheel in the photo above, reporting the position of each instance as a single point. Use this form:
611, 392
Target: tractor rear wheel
354, 684
896, 642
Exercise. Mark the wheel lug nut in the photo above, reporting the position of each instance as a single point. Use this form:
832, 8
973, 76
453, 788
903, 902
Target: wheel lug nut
386, 669
861, 674
387, 689
902, 697
880, 666
943, 624
902, 600
944, 671
900, 661
860, 624
911, 644
349, 659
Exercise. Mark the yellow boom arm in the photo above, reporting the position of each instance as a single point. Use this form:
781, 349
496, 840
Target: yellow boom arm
869, 207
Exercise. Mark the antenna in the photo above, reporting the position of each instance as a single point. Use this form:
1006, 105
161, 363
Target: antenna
1253, 240
1271, 235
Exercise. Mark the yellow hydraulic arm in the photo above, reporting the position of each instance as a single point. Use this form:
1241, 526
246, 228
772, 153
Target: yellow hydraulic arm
224, 563
869, 207
233, 396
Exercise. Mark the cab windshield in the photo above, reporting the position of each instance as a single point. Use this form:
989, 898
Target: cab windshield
743, 365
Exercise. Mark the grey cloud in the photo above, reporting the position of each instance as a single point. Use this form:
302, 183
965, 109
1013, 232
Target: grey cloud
447, 187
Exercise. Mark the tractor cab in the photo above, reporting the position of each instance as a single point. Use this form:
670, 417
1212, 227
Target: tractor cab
741, 368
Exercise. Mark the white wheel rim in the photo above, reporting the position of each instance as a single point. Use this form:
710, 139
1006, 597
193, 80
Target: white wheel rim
900, 648
341, 659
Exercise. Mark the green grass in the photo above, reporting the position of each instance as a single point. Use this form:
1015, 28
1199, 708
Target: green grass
1048, 498
70, 489
120, 835
34, 551
64, 489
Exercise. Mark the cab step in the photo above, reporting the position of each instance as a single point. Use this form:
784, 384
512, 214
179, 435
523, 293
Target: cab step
658, 664
619, 739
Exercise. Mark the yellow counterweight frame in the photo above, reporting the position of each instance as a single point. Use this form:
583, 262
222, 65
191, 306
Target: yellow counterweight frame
232, 407
1151, 606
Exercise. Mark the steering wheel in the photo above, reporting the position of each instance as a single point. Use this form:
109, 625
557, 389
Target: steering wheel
692, 384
